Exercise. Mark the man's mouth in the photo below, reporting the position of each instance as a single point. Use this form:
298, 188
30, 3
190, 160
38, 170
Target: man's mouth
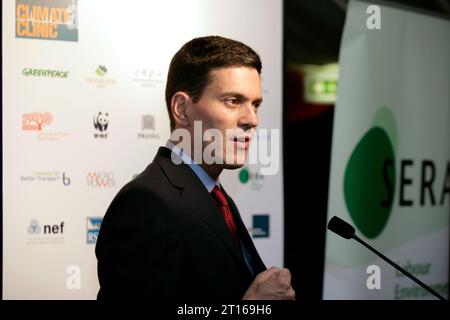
242, 142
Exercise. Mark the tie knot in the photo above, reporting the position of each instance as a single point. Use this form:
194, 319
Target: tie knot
219, 196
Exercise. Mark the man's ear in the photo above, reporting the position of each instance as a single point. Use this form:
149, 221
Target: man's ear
179, 103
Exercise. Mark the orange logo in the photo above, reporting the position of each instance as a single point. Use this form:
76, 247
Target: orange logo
36, 121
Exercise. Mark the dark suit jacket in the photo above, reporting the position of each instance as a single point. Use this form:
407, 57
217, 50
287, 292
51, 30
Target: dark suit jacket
163, 238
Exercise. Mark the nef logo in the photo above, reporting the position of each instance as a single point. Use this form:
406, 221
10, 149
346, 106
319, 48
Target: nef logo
43, 19
100, 180
101, 121
34, 228
36, 121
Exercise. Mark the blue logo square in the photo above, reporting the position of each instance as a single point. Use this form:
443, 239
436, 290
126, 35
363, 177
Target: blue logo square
93, 227
260, 226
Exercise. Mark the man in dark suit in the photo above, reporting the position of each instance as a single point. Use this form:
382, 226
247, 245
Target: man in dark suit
173, 233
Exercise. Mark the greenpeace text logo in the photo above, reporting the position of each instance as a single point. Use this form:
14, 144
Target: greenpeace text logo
43, 19
92, 229
148, 128
100, 179
45, 73
45, 234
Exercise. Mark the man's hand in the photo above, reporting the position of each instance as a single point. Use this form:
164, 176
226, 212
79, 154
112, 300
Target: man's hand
272, 284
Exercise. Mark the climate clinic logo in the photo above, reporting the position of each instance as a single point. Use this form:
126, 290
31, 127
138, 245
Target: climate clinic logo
369, 179
47, 19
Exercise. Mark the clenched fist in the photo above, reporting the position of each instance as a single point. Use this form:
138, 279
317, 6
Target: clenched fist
272, 284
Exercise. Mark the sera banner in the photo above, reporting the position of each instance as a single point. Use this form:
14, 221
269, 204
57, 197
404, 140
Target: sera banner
390, 170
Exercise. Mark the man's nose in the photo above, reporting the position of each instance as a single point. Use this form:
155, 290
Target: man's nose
249, 117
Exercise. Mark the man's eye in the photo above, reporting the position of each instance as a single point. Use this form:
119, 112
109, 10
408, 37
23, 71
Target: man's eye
232, 101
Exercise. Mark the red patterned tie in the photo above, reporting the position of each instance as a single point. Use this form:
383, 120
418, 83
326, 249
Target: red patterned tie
221, 201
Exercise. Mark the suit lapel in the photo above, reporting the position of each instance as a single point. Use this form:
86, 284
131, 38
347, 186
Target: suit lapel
196, 197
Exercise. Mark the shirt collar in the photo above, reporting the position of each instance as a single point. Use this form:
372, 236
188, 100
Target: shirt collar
204, 177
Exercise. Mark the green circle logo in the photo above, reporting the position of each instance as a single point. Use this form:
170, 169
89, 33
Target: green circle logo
369, 182
244, 175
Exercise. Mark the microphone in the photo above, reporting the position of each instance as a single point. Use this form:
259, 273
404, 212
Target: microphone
345, 230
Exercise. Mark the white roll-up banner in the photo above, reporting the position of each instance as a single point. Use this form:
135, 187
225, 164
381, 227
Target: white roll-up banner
390, 167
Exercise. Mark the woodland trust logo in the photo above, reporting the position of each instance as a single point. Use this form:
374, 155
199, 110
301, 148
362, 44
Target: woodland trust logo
102, 78
369, 178
101, 71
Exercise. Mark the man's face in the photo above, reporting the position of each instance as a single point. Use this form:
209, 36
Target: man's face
229, 104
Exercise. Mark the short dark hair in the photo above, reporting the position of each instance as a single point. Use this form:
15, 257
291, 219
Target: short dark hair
190, 68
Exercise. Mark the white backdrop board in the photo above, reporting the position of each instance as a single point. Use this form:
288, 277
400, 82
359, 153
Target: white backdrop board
84, 111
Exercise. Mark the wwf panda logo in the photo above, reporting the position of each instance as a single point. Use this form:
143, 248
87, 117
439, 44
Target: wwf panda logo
101, 122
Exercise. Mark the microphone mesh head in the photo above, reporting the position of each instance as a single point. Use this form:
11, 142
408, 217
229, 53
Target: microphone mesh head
340, 227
